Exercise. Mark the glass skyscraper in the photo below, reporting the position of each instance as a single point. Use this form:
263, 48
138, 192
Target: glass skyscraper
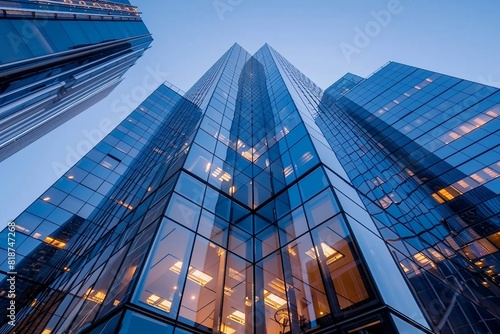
59, 57
257, 203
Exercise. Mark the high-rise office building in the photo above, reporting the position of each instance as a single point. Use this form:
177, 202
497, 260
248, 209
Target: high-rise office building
57, 58
256, 203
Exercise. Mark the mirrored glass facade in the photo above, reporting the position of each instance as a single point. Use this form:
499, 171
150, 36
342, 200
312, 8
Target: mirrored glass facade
57, 58
257, 203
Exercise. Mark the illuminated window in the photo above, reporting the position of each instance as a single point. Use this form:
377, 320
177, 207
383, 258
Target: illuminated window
331, 254
274, 301
225, 329
465, 128
437, 198
481, 120
449, 193
128, 206
159, 303
55, 242
494, 112
479, 248
422, 259
195, 275
490, 172
495, 238
405, 268
238, 317
436, 255
464, 185
477, 178
95, 296
385, 202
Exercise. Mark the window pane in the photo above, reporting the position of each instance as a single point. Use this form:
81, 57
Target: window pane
183, 211
201, 291
237, 312
166, 273
270, 301
321, 207
335, 250
306, 296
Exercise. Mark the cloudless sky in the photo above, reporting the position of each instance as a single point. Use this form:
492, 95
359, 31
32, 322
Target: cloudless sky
455, 37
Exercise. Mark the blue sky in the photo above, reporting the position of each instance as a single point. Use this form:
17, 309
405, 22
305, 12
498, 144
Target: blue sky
322, 38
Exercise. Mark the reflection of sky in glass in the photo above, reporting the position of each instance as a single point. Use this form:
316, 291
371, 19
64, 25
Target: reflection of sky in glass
189, 37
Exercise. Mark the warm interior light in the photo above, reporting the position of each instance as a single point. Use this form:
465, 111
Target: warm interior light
405, 268
278, 285
422, 259
238, 317
446, 194
479, 121
47, 331
437, 256
437, 198
228, 291
461, 186
234, 274
55, 242
331, 254
95, 296
288, 170
71, 177
249, 155
492, 113
232, 189
128, 206
176, 268
46, 198
477, 178
195, 275
272, 300
239, 144
491, 173
159, 303
225, 329
225, 177
23, 229
216, 172
385, 202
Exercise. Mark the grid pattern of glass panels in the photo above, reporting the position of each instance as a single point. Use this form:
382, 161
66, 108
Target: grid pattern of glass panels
258, 204
55, 56
422, 149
